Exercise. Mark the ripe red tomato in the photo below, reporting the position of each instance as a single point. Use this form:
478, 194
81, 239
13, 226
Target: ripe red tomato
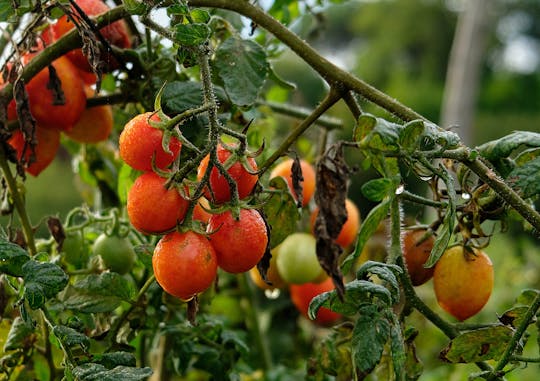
95, 124
115, 34
349, 230
302, 294
284, 169
239, 244
42, 103
139, 142
463, 281
48, 142
153, 209
416, 253
245, 181
184, 264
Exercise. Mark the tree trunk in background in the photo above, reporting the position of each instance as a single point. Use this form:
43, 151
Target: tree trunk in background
464, 68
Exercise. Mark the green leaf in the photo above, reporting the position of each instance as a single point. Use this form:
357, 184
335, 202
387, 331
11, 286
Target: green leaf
12, 258
503, 147
281, 212
42, 281
367, 228
200, 16
364, 126
384, 136
112, 359
377, 189
135, 7
526, 179
410, 135
278, 80
397, 346
19, 333
515, 316
192, 34
527, 296
370, 334
98, 293
180, 96
243, 67
385, 272
97, 372
69, 337
126, 178
479, 345
6, 10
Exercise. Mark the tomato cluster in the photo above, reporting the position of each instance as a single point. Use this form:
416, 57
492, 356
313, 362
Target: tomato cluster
57, 94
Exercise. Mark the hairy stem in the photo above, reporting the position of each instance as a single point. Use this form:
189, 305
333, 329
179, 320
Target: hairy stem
301, 113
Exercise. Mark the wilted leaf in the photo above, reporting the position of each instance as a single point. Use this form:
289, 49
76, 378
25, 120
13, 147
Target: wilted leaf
385, 272
515, 316
42, 281
410, 135
503, 147
281, 212
113, 359
12, 258
97, 372
365, 124
479, 345
384, 136
242, 66
397, 345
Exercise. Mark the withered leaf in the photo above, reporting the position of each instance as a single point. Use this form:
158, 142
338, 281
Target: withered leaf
192, 309
264, 263
55, 85
297, 180
57, 231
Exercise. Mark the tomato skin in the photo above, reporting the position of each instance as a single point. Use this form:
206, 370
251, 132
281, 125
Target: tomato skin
284, 169
139, 142
75, 249
349, 230
115, 34
199, 212
153, 209
185, 264
416, 253
302, 294
297, 260
117, 252
48, 115
48, 142
463, 281
272, 275
239, 244
245, 181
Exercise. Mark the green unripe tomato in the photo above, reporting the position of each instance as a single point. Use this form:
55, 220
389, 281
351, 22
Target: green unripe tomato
297, 261
117, 252
75, 249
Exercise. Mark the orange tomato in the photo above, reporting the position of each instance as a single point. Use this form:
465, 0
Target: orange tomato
302, 294
48, 142
272, 275
416, 253
284, 169
350, 228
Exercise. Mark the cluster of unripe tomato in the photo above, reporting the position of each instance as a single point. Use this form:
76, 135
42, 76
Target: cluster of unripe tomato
56, 113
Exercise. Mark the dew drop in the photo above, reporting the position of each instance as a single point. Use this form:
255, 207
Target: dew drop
272, 294
465, 196
400, 189
426, 178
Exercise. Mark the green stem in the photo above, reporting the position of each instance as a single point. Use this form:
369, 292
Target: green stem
302, 113
520, 330
525, 359
408, 196
18, 202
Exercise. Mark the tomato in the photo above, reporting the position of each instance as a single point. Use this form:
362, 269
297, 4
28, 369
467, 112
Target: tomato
415, 254
41, 99
95, 124
349, 230
48, 142
272, 275
463, 281
75, 250
297, 260
284, 169
199, 212
185, 264
115, 34
302, 294
139, 142
245, 181
152, 208
239, 244
117, 252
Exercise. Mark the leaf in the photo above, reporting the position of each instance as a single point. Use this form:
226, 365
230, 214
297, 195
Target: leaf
98, 293
69, 337
242, 66
42, 281
397, 345
383, 137
377, 189
526, 179
479, 345
278, 80
410, 135
6, 10
112, 359
385, 272
192, 34
370, 334
364, 125
12, 258
515, 316
97, 372
281, 212
19, 334
503, 147
367, 228
126, 178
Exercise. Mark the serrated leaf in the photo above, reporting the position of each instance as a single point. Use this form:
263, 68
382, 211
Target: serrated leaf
180, 96
370, 334
479, 345
98, 293
243, 67
192, 34
12, 258
410, 135
70, 337
97, 372
42, 281
367, 228
377, 189
200, 16
19, 332
503, 147
526, 179
281, 212
364, 125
